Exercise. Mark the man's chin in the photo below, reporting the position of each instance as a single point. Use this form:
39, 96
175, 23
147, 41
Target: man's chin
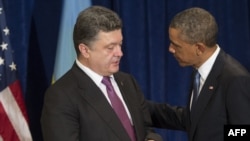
115, 69
182, 64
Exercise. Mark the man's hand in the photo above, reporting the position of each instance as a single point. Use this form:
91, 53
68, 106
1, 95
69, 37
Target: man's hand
153, 137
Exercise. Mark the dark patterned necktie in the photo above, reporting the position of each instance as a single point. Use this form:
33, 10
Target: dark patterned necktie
196, 85
119, 108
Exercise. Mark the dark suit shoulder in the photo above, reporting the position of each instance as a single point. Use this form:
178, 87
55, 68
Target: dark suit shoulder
69, 80
232, 67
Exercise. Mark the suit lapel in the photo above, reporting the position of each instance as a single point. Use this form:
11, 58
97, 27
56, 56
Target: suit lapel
206, 92
125, 93
129, 98
96, 99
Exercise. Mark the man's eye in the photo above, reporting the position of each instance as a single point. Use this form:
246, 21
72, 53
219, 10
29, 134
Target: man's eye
111, 48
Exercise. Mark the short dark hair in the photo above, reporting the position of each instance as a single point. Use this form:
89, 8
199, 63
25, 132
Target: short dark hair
196, 25
91, 21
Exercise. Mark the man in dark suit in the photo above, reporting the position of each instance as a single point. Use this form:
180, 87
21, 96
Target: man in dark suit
224, 84
78, 107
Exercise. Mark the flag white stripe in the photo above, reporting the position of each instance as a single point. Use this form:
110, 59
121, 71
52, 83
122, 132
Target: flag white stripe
15, 115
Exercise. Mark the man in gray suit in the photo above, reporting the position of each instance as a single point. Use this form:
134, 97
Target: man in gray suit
77, 107
224, 84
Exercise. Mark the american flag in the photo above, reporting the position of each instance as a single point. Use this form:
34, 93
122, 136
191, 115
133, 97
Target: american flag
13, 116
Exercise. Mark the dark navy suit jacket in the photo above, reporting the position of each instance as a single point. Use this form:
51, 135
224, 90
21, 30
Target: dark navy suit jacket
224, 99
75, 109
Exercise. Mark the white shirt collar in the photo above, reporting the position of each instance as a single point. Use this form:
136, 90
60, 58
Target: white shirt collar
93, 75
206, 67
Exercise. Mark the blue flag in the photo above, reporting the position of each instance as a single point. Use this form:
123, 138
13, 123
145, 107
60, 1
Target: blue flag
66, 55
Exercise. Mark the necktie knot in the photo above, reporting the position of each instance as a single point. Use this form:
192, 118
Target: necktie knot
106, 81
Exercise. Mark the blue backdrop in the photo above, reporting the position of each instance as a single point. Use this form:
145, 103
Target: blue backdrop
34, 26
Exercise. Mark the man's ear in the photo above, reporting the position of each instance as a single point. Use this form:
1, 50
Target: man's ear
200, 48
84, 50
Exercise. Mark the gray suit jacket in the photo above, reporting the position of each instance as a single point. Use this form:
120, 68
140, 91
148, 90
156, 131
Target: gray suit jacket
224, 99
75, 109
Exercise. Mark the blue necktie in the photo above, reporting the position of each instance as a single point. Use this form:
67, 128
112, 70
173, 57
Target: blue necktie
196, 85
119, 108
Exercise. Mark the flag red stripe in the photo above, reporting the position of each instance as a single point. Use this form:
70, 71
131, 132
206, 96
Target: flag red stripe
17, 94
13, 115
7, 131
